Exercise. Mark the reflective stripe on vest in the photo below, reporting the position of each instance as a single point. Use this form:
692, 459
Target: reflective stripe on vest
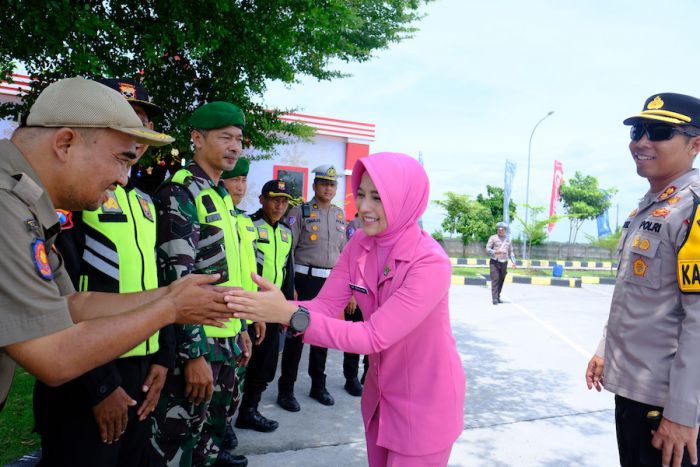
216, 211
120, 241
273, 248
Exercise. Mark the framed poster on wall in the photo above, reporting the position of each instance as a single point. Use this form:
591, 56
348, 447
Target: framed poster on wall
296, 178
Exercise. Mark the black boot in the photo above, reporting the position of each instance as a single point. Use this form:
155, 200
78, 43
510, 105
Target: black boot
249, 418
226, 459
288, 402
229, 442
353, 386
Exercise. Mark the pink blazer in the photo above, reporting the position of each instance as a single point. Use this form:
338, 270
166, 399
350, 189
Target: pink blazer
416, 380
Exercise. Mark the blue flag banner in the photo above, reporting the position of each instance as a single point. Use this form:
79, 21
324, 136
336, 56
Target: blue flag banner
603, 222
507, 187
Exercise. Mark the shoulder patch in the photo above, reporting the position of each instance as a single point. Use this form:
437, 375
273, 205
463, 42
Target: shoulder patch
291, 220
65, 218
41, 259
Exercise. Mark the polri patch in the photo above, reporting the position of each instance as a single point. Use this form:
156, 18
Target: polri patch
291, 220
284, 236
41, 259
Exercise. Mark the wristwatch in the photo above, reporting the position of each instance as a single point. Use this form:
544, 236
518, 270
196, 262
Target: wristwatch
300, 320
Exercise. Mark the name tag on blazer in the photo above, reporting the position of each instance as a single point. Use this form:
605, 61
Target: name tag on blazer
357, 288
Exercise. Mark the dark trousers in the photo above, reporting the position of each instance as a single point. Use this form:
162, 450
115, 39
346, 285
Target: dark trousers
262, 365
69, 432
307, 288
351, 361
634, 435
498, 276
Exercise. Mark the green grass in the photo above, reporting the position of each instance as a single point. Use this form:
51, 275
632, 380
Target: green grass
17, 421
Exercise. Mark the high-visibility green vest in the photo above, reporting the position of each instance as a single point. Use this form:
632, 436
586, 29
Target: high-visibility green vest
273, 248
217, 211
120, 241
248, 236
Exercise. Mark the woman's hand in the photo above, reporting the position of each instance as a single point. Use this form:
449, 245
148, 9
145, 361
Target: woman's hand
266, 305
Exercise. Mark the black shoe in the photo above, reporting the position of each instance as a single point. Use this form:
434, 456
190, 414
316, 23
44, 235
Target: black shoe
288, 402
226, 459
322, 396
229, 442
495, 301
251, 419
353, 387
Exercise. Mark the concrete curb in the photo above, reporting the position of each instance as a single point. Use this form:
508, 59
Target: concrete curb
555, 281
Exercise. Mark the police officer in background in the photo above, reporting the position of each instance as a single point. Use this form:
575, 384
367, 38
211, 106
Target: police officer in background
351, 361
650, 354
103, 417
236, 181
500, 249
197, 233
318, 230
274, 263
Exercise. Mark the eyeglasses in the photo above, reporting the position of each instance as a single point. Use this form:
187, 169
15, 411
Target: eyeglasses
655, 131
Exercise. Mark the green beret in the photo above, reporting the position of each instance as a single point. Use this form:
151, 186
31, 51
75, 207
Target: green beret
217, 114
241, 168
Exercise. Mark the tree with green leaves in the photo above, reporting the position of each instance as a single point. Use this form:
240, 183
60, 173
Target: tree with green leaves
583, 200
465, 217
609, 243
535, 229
494, 202
189, 53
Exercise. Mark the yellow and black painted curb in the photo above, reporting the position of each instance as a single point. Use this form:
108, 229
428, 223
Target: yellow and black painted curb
535, 263
533, 280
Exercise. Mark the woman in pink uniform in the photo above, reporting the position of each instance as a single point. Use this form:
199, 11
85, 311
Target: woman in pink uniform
413, 399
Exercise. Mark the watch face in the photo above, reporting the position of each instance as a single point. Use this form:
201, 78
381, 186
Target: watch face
300, 320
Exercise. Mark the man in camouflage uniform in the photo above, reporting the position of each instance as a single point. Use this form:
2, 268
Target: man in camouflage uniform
318, 231
197, 234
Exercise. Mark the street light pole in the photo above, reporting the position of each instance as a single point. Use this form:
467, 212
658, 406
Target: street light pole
527, 188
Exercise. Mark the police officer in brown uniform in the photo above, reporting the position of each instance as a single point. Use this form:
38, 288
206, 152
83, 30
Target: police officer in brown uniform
318, 230
649, 356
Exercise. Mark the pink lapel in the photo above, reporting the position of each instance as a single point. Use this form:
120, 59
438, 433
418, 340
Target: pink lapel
401, 252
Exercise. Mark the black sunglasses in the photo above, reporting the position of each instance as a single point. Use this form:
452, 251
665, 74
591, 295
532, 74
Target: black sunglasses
655, 131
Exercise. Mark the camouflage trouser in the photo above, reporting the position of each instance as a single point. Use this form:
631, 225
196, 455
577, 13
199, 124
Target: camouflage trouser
185, 434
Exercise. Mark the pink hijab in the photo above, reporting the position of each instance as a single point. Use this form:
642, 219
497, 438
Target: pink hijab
403, 187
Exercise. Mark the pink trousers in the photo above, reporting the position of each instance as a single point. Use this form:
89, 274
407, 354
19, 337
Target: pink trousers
382, 457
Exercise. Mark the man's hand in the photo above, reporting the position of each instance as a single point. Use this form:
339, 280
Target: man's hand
194, 301
199, 380
152, 385
671, 438
112, 415
351, 306
260, 330
594, 373
246, 347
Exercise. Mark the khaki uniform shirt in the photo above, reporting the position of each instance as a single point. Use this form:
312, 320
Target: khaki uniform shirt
33, 282
652, 347
319, 238
500, 249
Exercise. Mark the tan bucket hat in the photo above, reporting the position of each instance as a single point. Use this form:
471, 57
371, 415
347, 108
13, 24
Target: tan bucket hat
83, 103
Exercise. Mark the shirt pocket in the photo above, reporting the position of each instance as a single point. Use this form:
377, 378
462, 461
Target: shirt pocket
644, 266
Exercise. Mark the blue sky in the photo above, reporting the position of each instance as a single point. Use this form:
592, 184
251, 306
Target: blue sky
470, 85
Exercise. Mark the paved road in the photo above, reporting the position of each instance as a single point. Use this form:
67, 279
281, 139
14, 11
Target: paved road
527, 403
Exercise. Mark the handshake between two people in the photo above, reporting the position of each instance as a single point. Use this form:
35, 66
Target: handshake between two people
196, 300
